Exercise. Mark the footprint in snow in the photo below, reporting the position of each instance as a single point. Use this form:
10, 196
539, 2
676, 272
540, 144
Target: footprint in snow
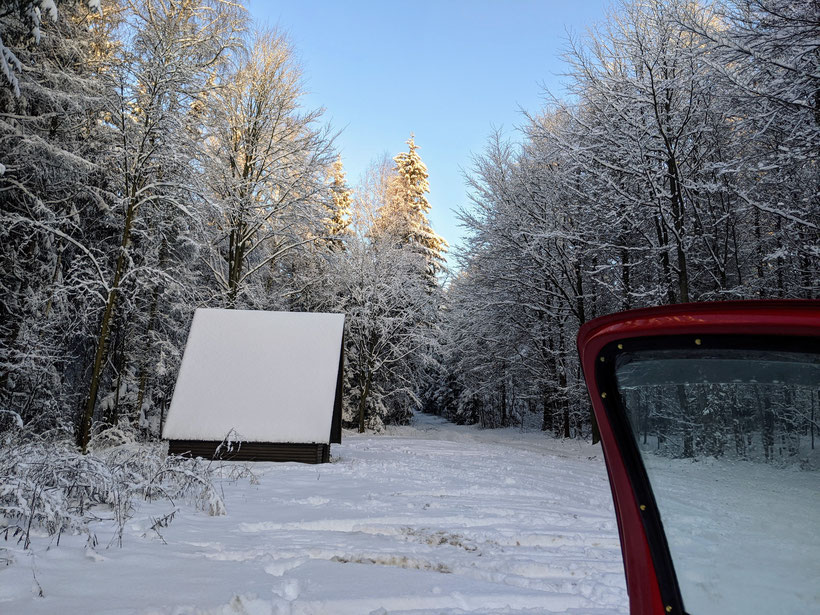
287, 589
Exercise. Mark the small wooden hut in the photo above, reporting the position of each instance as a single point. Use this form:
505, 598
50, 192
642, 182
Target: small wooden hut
259, 386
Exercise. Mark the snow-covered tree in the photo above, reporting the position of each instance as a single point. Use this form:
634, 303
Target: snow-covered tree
167, 56
337, 217
266, 161
763, 57
54, 196
391, 311
679, 171
404, 216
24, 17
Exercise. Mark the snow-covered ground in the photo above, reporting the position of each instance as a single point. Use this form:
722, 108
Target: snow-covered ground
432, 518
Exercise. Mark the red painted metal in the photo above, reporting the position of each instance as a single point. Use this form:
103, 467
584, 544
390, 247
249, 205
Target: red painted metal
777, 317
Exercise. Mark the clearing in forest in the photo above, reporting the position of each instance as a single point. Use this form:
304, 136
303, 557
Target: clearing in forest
429, 518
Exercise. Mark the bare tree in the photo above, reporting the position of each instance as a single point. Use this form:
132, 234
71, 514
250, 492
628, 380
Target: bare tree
266, 161
169, 50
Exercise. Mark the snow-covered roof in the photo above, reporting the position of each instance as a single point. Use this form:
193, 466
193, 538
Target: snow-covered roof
269, 376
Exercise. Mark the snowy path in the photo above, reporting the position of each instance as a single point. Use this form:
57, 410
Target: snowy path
433, 518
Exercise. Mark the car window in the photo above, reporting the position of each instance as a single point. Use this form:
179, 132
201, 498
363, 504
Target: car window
729, 440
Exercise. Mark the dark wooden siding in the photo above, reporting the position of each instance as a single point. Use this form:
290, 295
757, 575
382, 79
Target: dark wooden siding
253, 451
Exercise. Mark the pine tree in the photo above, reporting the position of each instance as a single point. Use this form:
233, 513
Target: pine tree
404, 217
337, 222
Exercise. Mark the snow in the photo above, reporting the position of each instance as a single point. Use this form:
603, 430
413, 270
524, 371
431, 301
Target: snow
742, 535
432, 518
49, 7
264, 376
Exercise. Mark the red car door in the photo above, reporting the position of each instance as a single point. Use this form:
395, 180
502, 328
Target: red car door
708, 415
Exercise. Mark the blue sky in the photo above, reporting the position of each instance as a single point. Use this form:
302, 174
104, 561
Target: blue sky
448, 71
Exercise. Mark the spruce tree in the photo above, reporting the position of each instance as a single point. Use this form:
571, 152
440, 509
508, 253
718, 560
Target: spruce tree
337, 221
404, 216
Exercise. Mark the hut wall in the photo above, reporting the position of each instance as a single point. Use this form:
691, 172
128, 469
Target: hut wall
252, 451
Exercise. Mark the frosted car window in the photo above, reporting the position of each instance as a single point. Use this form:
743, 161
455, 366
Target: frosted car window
730, 443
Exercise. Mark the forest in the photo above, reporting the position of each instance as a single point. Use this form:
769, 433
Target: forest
156, 157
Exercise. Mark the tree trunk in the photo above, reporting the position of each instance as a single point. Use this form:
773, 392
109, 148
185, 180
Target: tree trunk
666, 268
626, 303
758, 252
54, 277
567, 433
579, 294
363, 400
504, 402
546, 421
678, 224
84, 432
143, 378
685, 421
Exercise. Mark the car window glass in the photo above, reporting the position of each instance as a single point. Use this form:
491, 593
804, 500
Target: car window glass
731, 446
